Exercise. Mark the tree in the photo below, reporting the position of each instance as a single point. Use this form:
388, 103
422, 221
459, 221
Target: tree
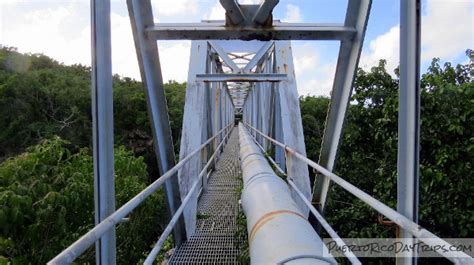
46, 203
368, 153
47, 98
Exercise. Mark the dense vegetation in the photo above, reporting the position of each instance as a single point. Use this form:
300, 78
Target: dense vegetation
46, 198
368, 155
40, 98
46, 174
48, 187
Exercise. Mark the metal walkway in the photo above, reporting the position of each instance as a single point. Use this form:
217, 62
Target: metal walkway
214, 241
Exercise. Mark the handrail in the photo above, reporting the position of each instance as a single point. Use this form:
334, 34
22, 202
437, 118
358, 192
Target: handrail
340, 243
156, 249
82, 244
416, 230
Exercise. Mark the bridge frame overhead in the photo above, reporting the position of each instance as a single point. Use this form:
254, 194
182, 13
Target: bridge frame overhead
259, 83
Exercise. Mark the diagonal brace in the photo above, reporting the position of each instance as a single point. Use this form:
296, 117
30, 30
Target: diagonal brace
229, 62
233, 11
258, 56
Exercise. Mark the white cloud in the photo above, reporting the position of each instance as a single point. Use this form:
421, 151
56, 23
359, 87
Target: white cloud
124, 58
51, 30
175, 7
61, 30
174, 59
217, 12
293, 14
249, 2
386, 47
46, 31
447, 29
305, 58
313, 76
446, 33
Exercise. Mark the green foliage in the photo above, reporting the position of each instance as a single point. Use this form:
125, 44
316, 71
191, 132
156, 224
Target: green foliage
313, 114
164, 253
242, 239
46, 203
40, 98
240, 235
368, 154
46, 193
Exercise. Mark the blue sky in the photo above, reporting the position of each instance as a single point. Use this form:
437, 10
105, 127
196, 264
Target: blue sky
61, 29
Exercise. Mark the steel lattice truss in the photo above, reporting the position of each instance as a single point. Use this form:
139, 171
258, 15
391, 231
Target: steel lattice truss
243, 66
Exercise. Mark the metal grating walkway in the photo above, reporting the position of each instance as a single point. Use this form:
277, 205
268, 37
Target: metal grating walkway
214, 241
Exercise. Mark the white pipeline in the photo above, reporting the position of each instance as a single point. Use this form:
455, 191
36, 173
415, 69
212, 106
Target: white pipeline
279, 233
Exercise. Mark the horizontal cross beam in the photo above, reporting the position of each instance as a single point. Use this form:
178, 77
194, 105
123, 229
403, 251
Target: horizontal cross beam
280, 31
241, 77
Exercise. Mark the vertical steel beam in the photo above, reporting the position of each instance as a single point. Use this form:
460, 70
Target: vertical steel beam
207, 130
194, 128
219, 113
231, 109
273, 104
103, 127
224, 95
266, 92
291, 122
271, 114
245, 111
207, 122
278, 129
408, 119
357, 16
254, 105
141, 16
266, 104
259, 112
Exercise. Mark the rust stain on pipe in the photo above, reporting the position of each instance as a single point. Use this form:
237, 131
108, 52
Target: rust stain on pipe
267, 217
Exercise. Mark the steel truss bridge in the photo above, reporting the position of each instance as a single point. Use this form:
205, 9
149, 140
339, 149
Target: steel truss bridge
243, 67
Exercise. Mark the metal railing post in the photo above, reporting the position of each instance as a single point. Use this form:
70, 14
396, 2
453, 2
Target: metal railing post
408, 120
103, 127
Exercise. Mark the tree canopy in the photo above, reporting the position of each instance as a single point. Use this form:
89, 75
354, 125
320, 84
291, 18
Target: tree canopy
368, 153
46, 179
